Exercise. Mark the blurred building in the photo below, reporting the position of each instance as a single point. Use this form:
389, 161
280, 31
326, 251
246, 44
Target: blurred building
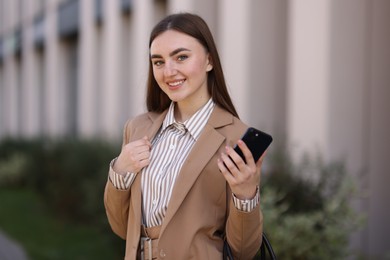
314, 73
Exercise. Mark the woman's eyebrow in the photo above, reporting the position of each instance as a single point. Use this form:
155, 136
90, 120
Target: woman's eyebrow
177, 51
174, 52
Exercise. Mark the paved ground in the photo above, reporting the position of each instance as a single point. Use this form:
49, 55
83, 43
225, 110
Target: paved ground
10, 250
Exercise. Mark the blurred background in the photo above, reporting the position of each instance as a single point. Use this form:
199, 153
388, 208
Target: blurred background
314, 74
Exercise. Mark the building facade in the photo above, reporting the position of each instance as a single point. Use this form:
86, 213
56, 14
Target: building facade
312, 73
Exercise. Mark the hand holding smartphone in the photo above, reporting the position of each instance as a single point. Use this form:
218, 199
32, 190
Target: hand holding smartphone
257, 142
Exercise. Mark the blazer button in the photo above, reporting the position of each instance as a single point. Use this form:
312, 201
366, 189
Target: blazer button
162, 253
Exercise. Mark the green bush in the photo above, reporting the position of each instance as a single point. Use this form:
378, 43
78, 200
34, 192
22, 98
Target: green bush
69, 174
28, 220
15, 159
306, 207
12, 169
69, 177
305, 217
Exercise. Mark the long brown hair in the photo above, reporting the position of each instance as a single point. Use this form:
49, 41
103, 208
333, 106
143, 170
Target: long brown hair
195, 26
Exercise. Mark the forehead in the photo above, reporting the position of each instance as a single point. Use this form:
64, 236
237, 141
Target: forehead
171, 40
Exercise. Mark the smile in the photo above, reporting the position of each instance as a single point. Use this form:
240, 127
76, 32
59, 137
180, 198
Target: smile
175, 83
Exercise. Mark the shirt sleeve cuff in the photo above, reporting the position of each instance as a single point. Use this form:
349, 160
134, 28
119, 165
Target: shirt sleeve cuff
120, 181
247, 205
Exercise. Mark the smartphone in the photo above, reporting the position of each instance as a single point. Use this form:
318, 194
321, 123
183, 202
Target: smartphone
257, 142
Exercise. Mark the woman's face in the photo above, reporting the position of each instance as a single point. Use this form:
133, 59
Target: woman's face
180, 65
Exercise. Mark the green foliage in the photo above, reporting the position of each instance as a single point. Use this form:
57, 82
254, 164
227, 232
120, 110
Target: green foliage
11, 170
69, 176
306, 207
25, 217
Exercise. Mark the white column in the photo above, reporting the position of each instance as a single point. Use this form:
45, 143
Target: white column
31, 92
205, 8
10, 72
55, 120
349, 117
2, 103
180, 6
110, 63
267, 73
2, 80
11, 101
234, 42
142, 21
308, 75
379, 163
87, 78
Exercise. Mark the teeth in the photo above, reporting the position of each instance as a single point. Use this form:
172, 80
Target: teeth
173, 84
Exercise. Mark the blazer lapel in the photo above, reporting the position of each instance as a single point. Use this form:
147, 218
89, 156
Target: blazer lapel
205, 147
150, 130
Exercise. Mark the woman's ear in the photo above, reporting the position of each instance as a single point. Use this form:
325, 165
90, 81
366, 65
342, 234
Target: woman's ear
209, 63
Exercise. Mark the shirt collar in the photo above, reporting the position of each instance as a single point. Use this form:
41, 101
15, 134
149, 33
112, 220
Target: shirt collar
194, 124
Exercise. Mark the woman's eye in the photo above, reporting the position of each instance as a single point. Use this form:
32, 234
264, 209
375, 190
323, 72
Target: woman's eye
157, 63
182, 57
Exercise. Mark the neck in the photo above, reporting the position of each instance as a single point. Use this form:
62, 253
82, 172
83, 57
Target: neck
184, 111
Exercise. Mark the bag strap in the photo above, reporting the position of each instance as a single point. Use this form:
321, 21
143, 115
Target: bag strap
264, 248
268, 247
227, 252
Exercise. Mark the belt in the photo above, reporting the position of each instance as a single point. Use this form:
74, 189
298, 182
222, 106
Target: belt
149, 242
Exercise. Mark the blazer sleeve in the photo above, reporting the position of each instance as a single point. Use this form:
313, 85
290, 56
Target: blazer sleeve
244, 231
116, 202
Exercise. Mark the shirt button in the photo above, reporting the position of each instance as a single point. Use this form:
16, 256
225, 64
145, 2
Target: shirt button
172, 147
154, 202
162, 253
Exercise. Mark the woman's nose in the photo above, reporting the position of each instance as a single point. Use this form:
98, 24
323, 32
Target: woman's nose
169, 69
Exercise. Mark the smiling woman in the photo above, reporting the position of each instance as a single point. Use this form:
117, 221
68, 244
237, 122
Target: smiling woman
177, 165
180, 66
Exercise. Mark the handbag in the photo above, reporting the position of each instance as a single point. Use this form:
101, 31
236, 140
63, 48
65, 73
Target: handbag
265, 249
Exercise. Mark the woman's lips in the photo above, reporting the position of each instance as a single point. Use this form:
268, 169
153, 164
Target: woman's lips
175, 84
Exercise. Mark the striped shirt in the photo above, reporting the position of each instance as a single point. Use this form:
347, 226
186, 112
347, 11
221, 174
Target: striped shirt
170, 148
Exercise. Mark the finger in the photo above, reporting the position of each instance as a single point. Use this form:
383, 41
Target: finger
142, 149
143, 155
143, 141
144, 162
235, 157
145, 138
229, 164
225, 172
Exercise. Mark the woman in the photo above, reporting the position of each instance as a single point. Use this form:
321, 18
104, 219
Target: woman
178, 190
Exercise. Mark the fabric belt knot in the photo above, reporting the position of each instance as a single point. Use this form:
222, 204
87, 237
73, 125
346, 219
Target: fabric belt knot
149, 242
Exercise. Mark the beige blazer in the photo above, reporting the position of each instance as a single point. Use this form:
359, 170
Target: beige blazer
200, 210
